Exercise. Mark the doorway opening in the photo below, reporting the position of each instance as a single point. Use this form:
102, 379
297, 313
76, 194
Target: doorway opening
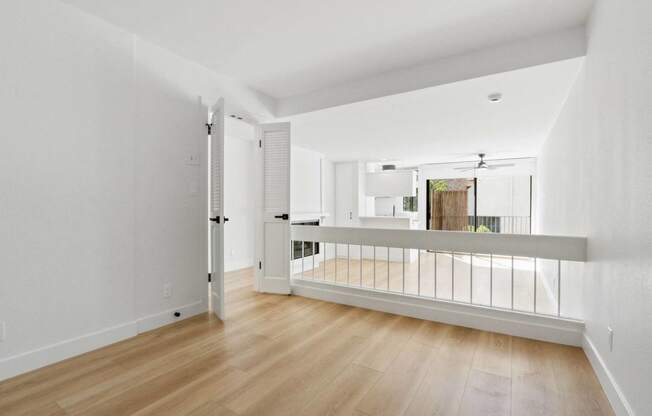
231, 229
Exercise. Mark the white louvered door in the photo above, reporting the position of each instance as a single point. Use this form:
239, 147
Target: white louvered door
273, 234
216, 203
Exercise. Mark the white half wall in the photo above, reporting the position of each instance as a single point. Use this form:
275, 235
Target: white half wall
594, 179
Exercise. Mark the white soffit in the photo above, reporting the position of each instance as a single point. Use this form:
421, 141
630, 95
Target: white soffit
311, 54
451, 122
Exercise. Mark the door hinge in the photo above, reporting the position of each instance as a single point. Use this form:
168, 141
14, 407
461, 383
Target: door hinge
260, 144
209, 127
209, 278
260, 265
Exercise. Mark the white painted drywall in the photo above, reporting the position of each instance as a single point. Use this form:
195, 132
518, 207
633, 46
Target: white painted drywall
98, 207
238, 195
170, 193
67, 206
594, 179
305, 180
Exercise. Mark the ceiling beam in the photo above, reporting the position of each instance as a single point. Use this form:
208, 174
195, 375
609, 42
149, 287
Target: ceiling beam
552, 47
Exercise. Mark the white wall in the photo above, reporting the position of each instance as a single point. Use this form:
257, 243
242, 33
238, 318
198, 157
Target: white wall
328, 183
313, 188
594, 179
306, 193
170, 193
67, 206
98, 207
238, 195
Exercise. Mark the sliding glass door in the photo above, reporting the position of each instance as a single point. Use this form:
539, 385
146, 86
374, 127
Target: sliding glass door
498, 204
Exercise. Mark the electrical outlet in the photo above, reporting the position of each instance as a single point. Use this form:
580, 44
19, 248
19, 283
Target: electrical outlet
611, 338
3, 331
232, 252
167, 290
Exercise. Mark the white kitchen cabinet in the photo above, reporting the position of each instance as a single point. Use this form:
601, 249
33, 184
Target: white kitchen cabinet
347, 200
396, 183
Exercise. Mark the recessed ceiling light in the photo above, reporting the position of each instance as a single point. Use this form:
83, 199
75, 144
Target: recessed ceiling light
495, 97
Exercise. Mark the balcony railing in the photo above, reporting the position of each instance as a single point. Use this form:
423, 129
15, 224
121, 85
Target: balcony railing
495, 224
504, 271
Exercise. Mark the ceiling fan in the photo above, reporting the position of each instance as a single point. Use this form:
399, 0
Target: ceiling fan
484, 165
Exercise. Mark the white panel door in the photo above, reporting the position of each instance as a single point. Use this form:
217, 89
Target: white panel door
273, 225
216, 204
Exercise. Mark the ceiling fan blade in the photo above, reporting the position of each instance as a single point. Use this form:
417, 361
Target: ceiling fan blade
464, 169
502, 165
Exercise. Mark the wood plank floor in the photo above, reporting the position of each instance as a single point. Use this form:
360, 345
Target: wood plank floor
287, 355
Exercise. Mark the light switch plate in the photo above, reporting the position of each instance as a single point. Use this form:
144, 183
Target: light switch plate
192, 160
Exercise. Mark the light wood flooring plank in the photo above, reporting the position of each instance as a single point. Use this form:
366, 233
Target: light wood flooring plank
286, 355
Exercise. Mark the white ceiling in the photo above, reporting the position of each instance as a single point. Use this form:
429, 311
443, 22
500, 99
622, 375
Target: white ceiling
445, 123
291, 47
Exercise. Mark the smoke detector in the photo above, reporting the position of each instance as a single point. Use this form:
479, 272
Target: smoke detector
495, 97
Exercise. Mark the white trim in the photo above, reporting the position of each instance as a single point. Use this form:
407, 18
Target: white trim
611, 388
275, 284
539, 246
522, 53
50, 354
215, 302
543, 328
157, 320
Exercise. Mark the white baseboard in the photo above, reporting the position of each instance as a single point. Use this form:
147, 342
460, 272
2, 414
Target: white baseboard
611, 388
277, 285
561, 331
160, 319
50, 354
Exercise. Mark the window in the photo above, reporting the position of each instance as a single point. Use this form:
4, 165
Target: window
411, 203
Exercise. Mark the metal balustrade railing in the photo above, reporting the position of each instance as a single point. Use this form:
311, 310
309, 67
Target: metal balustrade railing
513, 272
485, 223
